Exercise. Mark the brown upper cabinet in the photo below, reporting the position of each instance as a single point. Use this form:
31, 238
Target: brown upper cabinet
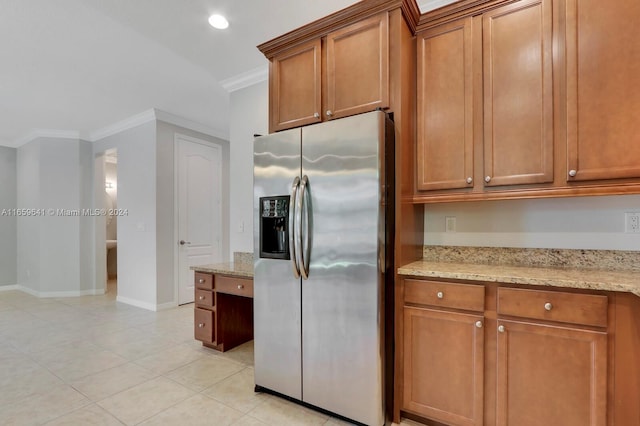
485, 99
603, 95
343, 73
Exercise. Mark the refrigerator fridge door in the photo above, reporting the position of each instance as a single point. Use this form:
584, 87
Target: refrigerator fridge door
342, 299
277, 309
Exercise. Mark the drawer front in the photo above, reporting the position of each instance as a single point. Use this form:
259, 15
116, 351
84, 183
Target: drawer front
468, 297
584, 309
203, 281
237, 286
204, 298
203, 325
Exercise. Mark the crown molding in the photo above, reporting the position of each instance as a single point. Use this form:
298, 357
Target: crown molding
43, 133
246, 79
154, 114
122, 125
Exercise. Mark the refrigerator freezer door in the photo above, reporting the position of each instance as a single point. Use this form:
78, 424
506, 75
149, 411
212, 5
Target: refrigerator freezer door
342, 346
277, 314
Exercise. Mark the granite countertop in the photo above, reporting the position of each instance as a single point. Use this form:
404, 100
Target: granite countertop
234, 269
593, 279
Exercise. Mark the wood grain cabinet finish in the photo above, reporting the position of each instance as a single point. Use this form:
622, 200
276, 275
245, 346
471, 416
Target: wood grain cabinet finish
549, 375
295, 93
603, 94
444, 351
444, 362
445, 107
357, 70
223, 313
511, 102
518, 94
342, 73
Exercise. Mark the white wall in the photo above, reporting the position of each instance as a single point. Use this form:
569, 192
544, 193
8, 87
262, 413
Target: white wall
136, 230
8, 223
569, 223
249, 115
55, 249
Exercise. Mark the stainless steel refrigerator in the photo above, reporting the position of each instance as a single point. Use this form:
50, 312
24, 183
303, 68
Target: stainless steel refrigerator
323, 221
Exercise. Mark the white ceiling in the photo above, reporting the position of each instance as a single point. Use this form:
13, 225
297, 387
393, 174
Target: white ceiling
82, 65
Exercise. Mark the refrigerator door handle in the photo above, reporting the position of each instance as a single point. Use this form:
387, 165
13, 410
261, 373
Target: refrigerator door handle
293, 247
304, 248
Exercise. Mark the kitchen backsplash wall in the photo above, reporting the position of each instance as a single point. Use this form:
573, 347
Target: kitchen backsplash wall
242, 257
552, 258
596, 223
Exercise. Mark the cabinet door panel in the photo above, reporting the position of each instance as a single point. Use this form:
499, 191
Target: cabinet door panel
443, 365
603, 65
551, 376
295, 87
445, 99
358, 67
518, 94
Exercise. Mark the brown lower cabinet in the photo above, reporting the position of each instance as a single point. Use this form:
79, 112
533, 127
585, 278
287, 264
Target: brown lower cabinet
223, 314
491, 354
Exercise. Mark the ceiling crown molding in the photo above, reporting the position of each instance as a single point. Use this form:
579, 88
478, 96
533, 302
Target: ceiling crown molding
245, 79
44, 133
154, 114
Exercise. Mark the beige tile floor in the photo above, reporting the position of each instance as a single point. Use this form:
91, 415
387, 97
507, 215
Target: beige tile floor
92, 361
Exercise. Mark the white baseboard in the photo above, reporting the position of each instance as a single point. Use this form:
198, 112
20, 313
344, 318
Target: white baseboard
165, 306
50, 294
9, 287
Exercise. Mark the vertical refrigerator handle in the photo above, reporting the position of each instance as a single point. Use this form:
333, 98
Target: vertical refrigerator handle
303, 248
293, 250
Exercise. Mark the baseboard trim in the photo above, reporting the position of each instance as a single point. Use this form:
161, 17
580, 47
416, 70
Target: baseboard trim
55, 294
9, 287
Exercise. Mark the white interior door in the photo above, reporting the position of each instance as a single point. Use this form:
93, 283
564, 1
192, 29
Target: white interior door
199, 209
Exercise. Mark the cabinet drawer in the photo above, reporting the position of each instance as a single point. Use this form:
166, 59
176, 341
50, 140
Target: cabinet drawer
204, 325
237, 286
204, 298
585, 309
204, 281
469, 297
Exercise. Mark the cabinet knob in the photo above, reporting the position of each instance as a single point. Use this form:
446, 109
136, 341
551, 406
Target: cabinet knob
329, 113
316, 115
479, 324
548, 306
469, 180
201, 298
487, 179
573, 173
440, 295
240, 286
200, 325
501, 328
201, 280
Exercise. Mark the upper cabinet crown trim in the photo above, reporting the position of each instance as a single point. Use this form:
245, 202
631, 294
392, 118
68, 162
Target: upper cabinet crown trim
457, 10
321, 27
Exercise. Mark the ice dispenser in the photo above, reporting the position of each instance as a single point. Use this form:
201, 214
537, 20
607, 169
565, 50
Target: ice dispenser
274, 232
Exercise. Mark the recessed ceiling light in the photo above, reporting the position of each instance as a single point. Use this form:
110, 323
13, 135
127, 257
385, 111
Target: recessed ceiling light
218, 21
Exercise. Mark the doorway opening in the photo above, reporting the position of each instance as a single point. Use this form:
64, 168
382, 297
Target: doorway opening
111, 221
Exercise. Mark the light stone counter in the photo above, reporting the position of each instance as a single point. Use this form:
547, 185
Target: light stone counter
241, 267
593, 279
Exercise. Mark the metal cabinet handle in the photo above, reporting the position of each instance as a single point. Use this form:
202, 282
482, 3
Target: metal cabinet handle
440, 295
501, 328
329, 113
469, 180
201, 281
487, 179
479, 324
201, 298
548, 306
316, 115
240, 286
573, 173
293, 199
201, 325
